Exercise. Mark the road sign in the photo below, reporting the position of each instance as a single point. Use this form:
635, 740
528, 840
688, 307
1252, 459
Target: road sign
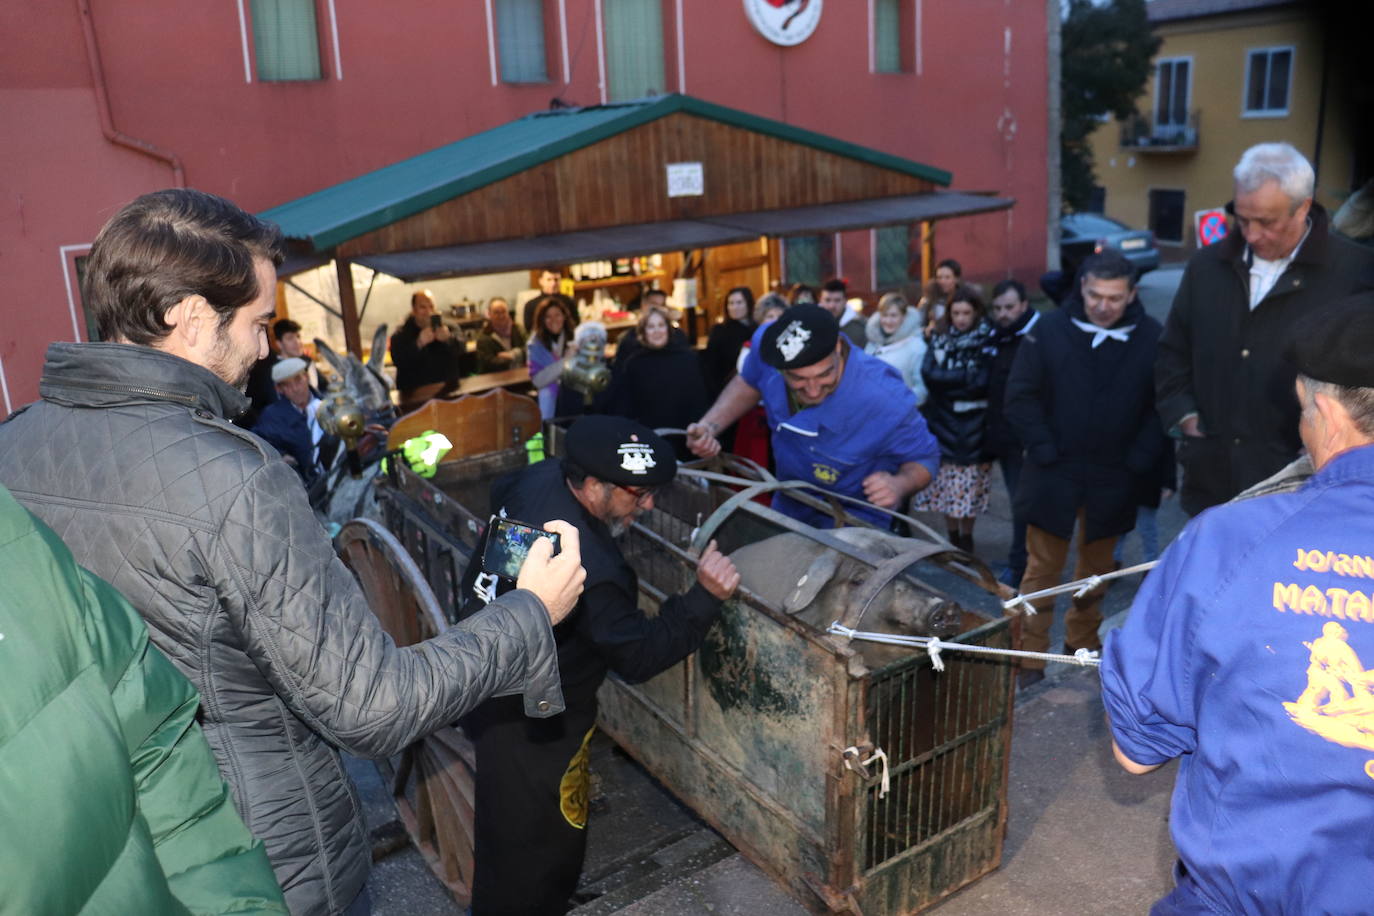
1211, 226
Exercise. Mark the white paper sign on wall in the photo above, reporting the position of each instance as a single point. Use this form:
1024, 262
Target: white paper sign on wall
686, 179
784, 22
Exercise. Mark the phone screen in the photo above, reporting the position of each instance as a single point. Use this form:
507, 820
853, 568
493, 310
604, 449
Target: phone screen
435, 321
508, 544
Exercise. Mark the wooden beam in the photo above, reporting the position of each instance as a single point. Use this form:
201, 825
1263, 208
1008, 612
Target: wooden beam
348, 303
927, 252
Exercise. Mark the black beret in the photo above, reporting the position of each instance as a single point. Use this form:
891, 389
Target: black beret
802, 336
620, 451
1337, 344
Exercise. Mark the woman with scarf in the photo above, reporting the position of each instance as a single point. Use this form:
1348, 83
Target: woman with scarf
894, 336
956, 370
548, 345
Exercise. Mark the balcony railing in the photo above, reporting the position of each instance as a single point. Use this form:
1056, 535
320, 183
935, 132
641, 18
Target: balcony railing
1146, 134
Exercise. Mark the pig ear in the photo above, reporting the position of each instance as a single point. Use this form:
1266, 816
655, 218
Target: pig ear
812, 581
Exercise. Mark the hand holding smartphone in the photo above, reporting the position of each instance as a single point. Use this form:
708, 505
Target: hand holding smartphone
509, 543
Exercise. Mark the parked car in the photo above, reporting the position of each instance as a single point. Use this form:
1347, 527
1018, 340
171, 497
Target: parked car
1082, 234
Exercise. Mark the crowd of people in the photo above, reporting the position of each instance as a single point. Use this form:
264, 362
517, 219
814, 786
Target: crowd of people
236, 655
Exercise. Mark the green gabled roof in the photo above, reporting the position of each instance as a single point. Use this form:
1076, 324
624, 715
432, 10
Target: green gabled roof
352, 208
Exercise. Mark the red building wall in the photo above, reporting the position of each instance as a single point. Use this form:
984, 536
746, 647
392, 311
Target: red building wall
410, 76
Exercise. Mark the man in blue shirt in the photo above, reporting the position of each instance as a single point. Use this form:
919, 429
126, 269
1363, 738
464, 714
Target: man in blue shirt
1247, 656
840, 419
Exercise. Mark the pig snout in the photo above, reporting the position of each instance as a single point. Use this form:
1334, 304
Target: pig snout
921, 615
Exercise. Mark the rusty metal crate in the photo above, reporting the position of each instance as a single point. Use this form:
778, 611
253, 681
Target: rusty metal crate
752, 730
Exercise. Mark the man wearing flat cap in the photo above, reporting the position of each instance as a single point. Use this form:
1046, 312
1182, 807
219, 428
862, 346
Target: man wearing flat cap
532, 779
1247, 655
290, 423
840, 419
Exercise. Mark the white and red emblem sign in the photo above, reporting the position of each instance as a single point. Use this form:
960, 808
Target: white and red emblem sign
784, 22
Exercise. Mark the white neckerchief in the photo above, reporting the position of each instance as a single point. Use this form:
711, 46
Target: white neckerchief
312, 423
1101, 334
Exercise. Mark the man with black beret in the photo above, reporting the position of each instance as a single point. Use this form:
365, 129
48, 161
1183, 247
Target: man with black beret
841, 419
532, 780
1247, 655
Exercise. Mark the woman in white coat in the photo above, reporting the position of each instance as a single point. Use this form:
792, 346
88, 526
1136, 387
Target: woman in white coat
895, 336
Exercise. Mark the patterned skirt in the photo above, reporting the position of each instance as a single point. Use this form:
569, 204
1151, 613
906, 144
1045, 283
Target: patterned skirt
960, 490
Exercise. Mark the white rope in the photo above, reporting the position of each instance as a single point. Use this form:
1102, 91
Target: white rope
934, 646
1079, 587
485, 587
852, 761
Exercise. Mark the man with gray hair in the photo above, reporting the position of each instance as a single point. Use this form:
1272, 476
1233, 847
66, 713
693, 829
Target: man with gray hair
1221, 386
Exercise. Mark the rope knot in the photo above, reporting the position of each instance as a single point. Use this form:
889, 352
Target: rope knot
933, 649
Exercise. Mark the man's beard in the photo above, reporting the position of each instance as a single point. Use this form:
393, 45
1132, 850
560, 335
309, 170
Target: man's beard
228, 365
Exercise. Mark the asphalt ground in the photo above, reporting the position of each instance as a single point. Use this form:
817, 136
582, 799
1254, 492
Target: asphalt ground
1083, 836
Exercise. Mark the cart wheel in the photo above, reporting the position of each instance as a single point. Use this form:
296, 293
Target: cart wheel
432, 780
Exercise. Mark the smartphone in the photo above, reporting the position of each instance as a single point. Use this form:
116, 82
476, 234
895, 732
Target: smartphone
508, 544
435, 322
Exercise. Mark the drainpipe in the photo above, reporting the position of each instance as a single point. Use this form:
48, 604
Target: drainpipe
1054, 114
102, 103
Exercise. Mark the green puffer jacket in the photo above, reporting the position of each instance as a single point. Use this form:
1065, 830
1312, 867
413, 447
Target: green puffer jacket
110, 801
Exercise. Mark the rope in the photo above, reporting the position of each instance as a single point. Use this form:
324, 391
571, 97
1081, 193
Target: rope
934, 647
1079, 587
851, 760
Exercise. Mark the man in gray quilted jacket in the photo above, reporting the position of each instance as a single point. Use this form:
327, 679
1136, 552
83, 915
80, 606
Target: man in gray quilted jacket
131, 458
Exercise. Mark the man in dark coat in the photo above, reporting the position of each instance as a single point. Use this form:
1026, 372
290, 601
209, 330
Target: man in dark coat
425, 351
1081, 398
1012, 319
532, 780
1222, 385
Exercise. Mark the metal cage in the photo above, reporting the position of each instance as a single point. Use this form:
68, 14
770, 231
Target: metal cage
770, 731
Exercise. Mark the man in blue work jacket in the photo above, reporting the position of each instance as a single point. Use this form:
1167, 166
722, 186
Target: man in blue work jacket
840, 419
1247, 656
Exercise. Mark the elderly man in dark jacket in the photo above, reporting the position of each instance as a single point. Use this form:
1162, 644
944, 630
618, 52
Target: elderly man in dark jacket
131, 459
1222, 384
1081, 398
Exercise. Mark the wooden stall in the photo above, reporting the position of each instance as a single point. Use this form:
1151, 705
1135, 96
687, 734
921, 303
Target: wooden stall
711, 188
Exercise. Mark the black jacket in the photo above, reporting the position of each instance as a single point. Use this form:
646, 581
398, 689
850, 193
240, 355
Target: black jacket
659, 388
1225, 362
606, 630
719, 359
956, 370
261, 390
1000, 440
436, 362
1087, 417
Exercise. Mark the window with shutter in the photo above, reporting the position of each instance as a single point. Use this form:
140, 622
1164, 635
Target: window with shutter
286, 40
520, 41
634, 48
